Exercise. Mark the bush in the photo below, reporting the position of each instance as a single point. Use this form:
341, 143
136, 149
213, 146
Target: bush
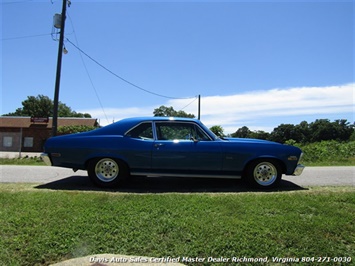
74, 129
328, 152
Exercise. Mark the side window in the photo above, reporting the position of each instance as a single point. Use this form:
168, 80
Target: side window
179, 131
200, 134
173, 131
142, 131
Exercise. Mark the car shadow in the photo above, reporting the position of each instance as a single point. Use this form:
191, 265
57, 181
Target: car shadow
142, 184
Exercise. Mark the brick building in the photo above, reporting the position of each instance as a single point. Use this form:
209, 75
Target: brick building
26, 134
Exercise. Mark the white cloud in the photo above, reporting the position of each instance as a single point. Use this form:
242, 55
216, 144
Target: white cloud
231, 111
256, 105
109, 115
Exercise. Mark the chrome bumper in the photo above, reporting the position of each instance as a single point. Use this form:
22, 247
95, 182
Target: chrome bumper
299, 169
46, 159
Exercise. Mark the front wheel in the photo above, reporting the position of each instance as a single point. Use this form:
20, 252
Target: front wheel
264, 173
107, 172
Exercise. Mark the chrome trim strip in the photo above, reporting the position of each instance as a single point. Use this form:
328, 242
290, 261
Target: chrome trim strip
186, 175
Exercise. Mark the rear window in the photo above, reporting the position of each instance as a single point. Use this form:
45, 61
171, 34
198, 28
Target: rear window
142, 131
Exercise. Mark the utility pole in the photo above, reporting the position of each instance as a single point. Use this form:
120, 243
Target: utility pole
59, 68
199, 107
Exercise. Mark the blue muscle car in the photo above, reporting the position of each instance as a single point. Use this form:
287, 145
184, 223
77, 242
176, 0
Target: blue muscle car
164, 146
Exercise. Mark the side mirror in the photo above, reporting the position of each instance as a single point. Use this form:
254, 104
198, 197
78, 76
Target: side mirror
193, 139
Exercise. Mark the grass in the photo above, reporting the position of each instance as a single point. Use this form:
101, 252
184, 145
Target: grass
22, 161
40, 226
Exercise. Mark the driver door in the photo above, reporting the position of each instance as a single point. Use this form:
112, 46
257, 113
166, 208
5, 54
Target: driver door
184, 147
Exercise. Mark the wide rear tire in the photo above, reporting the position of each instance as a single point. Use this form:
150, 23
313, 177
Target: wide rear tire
107, 172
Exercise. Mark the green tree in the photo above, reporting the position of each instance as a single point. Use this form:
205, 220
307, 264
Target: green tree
169, 111
344, 129
304, 131
245, 132
42, 106
259, 134
322, 129
352, 136
284, 132
242, 132
218, 131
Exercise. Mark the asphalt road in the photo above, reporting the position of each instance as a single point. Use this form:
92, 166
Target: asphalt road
62, 178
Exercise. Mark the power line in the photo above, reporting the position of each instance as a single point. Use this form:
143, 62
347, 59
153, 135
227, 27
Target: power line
16, 2
25, 37
87, 71
128, 82
189, 103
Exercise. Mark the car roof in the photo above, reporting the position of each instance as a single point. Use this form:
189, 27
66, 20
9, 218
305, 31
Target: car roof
156, 118
122, 126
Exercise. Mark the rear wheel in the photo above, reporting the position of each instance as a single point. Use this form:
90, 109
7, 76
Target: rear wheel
107, 172
264, 173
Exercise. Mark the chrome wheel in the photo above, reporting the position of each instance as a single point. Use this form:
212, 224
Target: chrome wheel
107, 170
265, 173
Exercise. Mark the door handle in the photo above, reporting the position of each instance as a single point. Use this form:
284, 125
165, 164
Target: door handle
157, 145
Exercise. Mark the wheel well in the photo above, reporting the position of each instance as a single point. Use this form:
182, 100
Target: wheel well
101, 157
278, 161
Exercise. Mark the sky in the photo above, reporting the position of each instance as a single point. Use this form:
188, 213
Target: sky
254, 63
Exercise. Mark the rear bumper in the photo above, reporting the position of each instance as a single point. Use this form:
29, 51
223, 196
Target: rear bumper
299, 169
46, 159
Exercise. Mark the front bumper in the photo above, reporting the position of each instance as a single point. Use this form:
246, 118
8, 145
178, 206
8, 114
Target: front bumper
299, 169
46, 159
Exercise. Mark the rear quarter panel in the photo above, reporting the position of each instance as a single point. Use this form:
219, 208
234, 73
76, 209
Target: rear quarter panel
76, 151
73, 151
